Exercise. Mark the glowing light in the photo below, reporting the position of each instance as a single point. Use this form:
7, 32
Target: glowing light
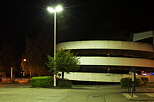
50, 9
144, 74
152, 73
59, 8
25, 60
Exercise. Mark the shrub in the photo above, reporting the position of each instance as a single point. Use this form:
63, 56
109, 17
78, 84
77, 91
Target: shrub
138, 81
145, 80
127, 82
45, 81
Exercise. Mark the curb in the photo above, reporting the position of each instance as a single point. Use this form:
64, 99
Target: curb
137, 98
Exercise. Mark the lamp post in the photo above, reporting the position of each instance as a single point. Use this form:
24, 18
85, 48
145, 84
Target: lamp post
55, 10
11, 74
30, 72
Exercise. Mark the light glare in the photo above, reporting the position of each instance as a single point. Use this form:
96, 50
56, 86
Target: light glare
25, 60
59, 8
50, 9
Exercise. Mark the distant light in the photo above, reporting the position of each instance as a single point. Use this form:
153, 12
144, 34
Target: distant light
59, 8
152, 73
144, 74
108, 69
25, 60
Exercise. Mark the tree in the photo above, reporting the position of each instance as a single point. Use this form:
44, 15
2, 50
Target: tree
35, 53
65, 61
9, 58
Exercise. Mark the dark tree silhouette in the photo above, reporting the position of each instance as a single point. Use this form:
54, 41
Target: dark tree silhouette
35, 54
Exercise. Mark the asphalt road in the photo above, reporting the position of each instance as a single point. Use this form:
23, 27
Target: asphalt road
77, 94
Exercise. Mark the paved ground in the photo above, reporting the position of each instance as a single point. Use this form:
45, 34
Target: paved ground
142, 93
99, 93
77, 94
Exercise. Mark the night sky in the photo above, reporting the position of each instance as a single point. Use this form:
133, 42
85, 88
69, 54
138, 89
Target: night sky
80, 20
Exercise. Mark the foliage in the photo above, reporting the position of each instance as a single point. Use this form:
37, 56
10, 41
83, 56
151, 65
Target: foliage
65, 61
46, 81
145, 80
127, 82
35, 52
9, 58
138, 81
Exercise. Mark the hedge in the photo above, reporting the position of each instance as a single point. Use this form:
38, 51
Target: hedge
45, 81
127, 82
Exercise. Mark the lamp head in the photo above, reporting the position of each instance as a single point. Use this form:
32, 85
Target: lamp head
58, 8
50, 9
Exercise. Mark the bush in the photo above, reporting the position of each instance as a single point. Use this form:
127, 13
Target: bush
145, 80
127, 82
46, 81
65, 83
138, 81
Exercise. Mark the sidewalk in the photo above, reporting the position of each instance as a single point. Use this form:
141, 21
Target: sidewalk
143, 93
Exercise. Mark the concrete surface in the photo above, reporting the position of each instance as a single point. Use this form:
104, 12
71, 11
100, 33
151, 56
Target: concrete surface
77, 94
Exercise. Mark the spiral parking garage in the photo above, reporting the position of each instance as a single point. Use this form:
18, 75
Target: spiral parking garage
109, 61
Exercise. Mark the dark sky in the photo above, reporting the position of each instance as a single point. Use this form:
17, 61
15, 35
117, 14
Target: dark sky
20, 18
80, 20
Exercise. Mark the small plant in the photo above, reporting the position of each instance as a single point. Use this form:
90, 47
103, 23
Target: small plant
145, 80
138, 81
46, 81
127, 82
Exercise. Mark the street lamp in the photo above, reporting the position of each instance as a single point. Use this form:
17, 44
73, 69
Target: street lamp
55, 10
30, 71
11, 74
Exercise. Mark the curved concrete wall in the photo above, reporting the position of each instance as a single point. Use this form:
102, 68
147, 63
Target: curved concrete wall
106, 44
100, 77
97, 77
116, 61
107, 61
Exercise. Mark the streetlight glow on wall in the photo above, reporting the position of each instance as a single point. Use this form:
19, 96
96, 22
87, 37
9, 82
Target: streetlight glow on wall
58, 8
